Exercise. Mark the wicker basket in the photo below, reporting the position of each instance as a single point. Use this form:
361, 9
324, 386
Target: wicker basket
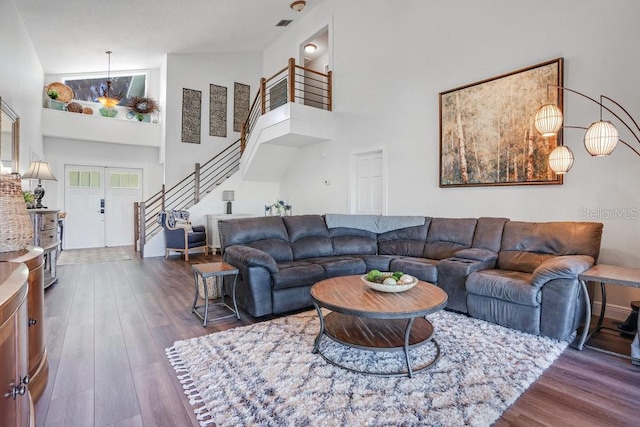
16, 229
212, 287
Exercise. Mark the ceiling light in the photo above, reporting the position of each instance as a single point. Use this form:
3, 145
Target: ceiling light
106, 98
310, 47
298, 5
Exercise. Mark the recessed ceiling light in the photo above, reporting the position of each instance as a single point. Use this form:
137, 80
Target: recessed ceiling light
298, 5
310, 47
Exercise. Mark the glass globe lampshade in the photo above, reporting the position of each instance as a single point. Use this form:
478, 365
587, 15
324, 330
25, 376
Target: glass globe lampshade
548, 120
561, 159
601, 138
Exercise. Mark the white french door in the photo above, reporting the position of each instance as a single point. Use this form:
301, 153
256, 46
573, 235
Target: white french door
99, 205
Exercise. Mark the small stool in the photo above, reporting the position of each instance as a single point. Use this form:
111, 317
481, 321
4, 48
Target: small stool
208, 273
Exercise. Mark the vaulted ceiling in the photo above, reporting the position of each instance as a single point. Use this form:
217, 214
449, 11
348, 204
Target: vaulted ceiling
72, 35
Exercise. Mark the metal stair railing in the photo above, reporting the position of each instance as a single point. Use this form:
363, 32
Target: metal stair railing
185, 193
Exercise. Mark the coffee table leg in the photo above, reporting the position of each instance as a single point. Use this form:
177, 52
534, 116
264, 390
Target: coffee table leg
316, 345
407, 333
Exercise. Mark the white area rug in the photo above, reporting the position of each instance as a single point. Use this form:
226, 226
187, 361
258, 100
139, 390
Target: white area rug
265, 374
80, 256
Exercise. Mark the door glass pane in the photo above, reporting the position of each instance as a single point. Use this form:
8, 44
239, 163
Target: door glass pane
124, 180
74, 178
85, 179
115, 180
135, 181
95, 179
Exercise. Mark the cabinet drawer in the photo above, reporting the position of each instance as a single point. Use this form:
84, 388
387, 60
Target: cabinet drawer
48, 221
46, 238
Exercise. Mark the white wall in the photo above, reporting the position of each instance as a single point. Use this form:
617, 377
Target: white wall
21, 80
197, 71
61, 152
389, 65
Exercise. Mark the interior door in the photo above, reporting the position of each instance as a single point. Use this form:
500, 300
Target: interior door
368, 183
123, 188
84, 225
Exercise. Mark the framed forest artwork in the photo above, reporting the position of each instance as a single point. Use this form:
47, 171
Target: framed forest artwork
487, 135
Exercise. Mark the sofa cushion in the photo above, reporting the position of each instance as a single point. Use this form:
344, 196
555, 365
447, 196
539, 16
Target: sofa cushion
422, 268
340, 266
350, 241
447, 236
309, 236
296, 273
488, 234
266, 233
405, 241
507, 285
378, 262
526, 245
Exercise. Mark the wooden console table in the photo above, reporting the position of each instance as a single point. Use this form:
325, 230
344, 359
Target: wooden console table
33, 258
614, 275
15, 398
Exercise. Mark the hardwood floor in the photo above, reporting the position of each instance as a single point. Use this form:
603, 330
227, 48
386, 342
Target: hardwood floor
107, 326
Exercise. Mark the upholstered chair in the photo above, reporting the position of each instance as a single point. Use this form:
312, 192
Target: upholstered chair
180, 235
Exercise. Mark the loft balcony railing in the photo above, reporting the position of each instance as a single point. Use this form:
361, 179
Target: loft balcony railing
293, 83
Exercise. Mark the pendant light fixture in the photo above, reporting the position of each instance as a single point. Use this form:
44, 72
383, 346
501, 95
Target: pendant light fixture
106, 98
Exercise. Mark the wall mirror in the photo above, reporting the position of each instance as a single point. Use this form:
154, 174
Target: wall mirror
9, 138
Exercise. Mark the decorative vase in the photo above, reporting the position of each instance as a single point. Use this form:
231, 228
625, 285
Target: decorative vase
16, 229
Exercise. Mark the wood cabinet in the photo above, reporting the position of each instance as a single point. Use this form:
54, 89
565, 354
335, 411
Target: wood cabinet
33, 259
45, 235
15, 400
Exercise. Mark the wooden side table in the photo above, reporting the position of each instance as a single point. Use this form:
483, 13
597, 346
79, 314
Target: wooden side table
209, 273
614, 275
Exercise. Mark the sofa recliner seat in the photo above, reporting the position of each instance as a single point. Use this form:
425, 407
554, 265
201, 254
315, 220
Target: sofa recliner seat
521, 275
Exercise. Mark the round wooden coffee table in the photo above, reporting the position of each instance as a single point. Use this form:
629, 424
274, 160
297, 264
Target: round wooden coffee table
398, 320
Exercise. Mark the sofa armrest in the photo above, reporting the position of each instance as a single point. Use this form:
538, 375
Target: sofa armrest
561, 267
249, 257
477, 254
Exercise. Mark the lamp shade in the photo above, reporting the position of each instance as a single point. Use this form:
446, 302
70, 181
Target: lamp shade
601, 138
548, 120
228, 196
39, 170
561, 159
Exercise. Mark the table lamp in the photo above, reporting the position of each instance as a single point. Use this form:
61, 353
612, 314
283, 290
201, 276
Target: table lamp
228, 196
39, 170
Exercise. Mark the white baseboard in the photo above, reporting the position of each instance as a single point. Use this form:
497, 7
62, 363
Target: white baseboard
615, 312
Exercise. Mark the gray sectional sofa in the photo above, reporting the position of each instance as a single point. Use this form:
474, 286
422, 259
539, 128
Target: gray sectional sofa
521, 275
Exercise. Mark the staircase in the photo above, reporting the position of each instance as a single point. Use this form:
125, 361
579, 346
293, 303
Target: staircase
291, 110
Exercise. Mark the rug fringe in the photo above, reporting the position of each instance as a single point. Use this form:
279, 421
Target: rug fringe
195, 400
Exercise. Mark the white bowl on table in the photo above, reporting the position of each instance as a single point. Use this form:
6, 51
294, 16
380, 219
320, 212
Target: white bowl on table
388, 288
